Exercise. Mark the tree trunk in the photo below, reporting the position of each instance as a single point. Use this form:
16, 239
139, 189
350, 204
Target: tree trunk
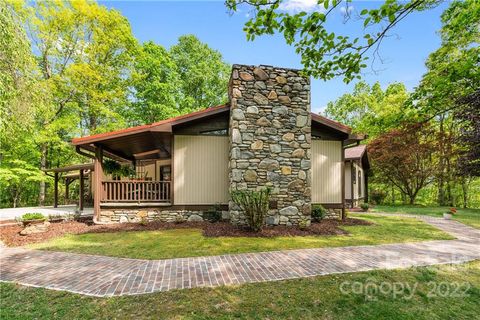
404, 197
393, 195
441, 164
411, 199
43, 166
465, 193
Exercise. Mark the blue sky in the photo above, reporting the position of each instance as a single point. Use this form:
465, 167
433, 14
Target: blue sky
403, 53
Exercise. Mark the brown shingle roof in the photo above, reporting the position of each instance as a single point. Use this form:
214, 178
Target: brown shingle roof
356, 152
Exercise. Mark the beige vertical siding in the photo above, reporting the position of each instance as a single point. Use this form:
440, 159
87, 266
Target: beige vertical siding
326, 171
348, 179
200, 170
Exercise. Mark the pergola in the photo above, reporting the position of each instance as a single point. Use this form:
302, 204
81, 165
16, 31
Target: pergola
69, 176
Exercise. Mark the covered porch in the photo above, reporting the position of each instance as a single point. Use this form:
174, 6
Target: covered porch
131, 168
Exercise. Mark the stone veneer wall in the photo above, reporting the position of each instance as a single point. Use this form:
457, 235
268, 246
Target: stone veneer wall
270, 140
151, 214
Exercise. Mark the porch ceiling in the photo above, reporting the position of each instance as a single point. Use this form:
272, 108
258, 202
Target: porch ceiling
137, 146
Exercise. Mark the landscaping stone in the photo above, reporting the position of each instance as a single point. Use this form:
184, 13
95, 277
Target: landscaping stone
195, 218
35, 228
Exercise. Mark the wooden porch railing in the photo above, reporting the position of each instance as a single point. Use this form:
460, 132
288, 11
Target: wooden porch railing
135, 191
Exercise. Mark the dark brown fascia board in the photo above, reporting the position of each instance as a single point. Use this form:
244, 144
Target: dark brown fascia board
330, 123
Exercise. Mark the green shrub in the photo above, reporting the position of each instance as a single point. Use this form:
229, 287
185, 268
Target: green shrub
254, 204
55, 217
303, 224
33, 216
378, 196
212, 215
318, 213
365, 206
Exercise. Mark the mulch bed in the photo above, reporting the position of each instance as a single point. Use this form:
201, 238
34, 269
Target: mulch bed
10, 235
327, 227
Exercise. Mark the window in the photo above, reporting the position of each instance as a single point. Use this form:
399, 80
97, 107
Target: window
221, 132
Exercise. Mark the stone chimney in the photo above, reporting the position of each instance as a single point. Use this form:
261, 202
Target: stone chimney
270, 138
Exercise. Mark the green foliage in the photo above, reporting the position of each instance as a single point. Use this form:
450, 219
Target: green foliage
303, 224
156, 85
214, 214
116, 169
202, 72
371, 110
365, 206
33, 216
17, 178
189, 77
377, 196
325, 53
318, 213
254, 205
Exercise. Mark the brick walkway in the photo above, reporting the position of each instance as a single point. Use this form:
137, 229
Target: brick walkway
107, 276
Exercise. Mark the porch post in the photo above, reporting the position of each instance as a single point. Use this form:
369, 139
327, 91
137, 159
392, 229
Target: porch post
352, 176
67, 184
55, 191
98, 176
82, 193
343, 182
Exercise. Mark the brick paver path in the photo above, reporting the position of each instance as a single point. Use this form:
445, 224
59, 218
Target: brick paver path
107, 276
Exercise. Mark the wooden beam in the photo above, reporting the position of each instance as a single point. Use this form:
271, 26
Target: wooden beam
107, 151
98, 176
55, 191
146, 153
82, 192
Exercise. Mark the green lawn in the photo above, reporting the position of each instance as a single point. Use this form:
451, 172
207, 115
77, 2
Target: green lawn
309, 298
467, 216
190, 242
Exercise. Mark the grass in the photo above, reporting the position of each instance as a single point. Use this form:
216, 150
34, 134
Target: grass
467, 216
308, 298
190, 242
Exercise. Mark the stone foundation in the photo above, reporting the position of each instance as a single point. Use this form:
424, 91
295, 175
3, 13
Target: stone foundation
139, 215
333, 213
270, 140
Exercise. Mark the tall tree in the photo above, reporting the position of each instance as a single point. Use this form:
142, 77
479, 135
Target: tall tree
325, 53
84, 52
371, 110
453, 71
203, 74
156, 85
19, 95
405, 157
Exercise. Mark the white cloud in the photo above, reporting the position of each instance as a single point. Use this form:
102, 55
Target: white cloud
344, 9
296, 6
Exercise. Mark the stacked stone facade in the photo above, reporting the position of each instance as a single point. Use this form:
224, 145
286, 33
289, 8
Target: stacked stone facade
153, 214
270, 140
